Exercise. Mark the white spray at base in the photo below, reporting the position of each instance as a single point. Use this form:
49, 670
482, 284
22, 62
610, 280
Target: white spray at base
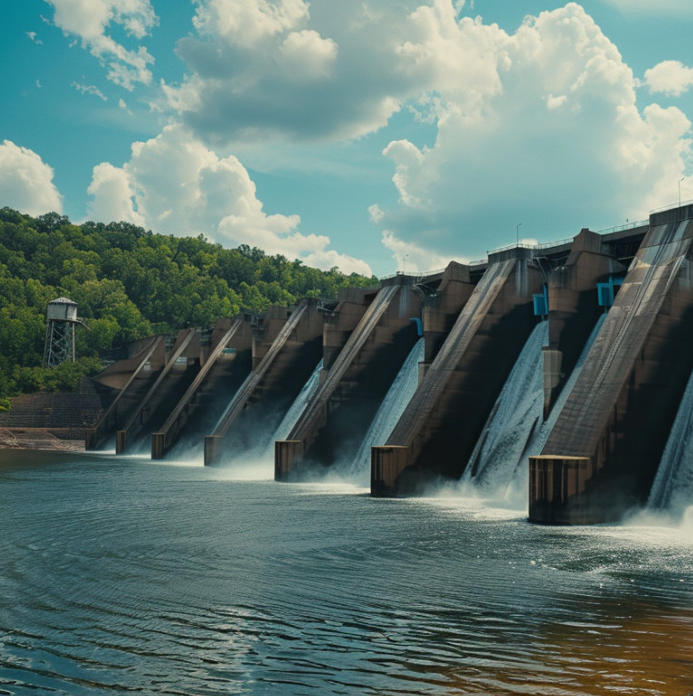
515, 416
672, 489
398, 396
258, 464
515, 431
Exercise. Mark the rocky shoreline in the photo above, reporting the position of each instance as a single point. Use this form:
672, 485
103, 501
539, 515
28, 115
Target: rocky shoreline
40, 439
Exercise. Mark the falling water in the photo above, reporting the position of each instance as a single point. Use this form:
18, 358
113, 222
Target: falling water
541, 435
514, 430
395, 401
296, 408
673, 486
515, 415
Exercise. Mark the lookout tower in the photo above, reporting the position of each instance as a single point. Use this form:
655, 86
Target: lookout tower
60, 332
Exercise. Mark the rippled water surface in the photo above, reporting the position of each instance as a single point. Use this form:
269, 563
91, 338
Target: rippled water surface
120, 575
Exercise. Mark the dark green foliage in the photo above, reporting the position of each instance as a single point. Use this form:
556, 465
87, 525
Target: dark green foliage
129, 283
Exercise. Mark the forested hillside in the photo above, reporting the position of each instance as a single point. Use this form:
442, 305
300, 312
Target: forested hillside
129, 283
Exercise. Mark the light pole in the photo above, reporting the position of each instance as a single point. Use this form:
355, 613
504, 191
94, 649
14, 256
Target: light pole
683, 178
517, 234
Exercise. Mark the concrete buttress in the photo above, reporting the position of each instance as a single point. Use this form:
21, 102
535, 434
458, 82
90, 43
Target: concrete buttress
280, 368
601, 456
354, 381
440, 426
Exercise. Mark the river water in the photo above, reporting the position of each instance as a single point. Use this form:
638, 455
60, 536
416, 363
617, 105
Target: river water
120, 575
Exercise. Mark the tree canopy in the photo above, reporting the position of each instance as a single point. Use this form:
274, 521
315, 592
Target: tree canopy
129, 283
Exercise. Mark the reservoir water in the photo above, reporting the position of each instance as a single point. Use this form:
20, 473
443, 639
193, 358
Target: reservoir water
119, 575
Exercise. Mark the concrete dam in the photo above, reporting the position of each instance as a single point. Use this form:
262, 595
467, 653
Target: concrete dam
558, 369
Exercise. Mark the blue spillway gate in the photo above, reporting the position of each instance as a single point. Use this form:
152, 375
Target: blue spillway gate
541, 303
606, 292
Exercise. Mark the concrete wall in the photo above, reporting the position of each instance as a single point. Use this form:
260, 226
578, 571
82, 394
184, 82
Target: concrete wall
341, 321
285, 353
573, 308
441, 310
603, 452
439, 428
355, 380
226, 365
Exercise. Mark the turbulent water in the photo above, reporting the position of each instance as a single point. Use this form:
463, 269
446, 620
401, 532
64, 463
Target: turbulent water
121, 575
515, 429
296, 409
516, 414
398, 396
673, 486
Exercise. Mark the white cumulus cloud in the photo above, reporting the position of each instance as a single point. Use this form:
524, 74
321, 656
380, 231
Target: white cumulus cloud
90, 89
264, 68
174, 184
91, 20
670, 77
539, 127
306, 54
26, 181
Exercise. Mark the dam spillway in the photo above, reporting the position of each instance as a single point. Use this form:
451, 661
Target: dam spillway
438, 430
601, 457
133, 378
398, 396
222, 368
338, 416
625, 292
281, 369
169, 385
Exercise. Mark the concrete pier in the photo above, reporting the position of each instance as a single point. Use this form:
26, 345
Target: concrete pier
602, 455
573, 308
355, 379
286, 454
285, 353
440, 426
225, 367
143, 368
171, 382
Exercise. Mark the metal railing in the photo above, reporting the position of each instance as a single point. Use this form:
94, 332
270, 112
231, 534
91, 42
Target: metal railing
671, 206
626, 226
544, 245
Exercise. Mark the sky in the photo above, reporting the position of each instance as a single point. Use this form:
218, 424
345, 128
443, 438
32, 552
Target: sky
374, 135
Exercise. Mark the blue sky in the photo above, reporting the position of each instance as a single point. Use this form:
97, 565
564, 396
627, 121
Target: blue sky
371, 135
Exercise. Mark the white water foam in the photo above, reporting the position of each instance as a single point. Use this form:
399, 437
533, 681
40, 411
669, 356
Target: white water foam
398, 396
672, 489
515, 430
516, 414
